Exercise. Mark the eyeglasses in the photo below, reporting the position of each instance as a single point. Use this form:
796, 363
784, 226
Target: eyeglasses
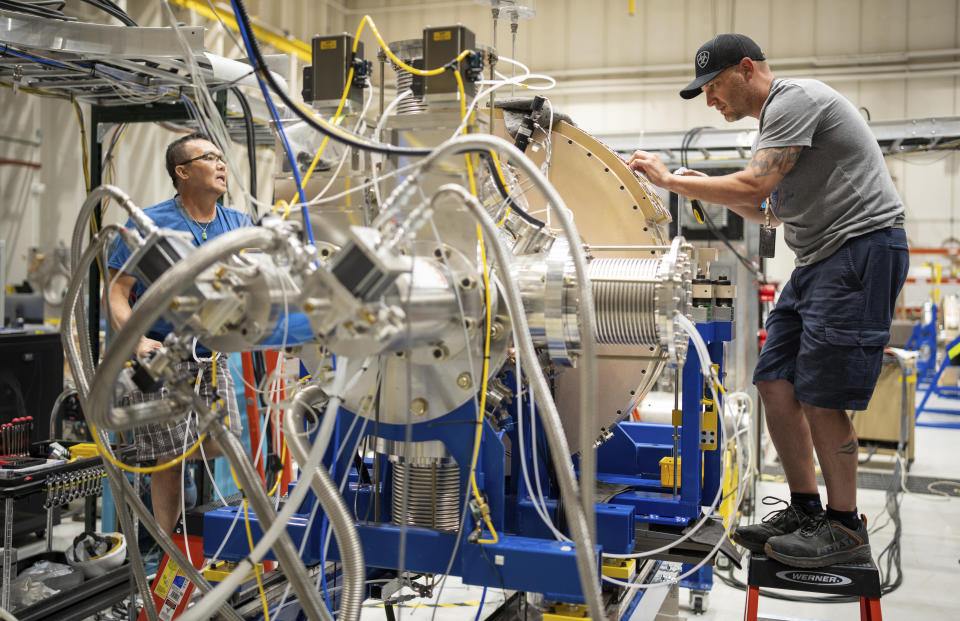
210, 156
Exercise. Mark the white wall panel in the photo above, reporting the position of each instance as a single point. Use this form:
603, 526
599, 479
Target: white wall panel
931, 24
836, 27
793, 29
753, 17
565, 35
665, 29
883, 25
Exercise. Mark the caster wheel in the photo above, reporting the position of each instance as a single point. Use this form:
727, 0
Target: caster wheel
699, 601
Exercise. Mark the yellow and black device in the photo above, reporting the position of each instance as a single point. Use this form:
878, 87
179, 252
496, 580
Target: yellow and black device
333, 57
441, 46
697, 211
561, 611
709, 419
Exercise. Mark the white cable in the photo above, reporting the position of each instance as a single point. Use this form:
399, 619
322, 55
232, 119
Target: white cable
688, 327
362, 186
222, 591
536, 470
471, 366
541, 510
263, 420
348, 149
376, 138
236, 515
6, 615
481, 96
707, 370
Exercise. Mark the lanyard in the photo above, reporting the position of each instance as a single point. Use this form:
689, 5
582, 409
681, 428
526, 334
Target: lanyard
192, 224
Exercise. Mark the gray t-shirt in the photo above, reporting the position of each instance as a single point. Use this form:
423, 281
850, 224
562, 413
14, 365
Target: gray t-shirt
840, 187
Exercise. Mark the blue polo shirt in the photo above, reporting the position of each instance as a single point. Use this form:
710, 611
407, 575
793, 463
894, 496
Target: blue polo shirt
170, 214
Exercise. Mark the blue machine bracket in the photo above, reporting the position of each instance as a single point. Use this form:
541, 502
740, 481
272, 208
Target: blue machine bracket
526, 557
632, 456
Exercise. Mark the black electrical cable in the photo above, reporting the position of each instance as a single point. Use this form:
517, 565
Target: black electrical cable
45, 3
684, 145
889, 559
323, 127
251, 139
111, 9
505, 193
34, 9
684, 148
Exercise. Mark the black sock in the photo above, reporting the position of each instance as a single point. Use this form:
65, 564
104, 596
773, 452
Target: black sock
847, 518
809, 503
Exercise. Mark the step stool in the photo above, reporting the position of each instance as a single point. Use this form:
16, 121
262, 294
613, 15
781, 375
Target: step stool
861, 580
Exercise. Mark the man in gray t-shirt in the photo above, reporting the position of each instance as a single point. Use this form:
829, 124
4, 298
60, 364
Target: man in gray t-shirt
818, 167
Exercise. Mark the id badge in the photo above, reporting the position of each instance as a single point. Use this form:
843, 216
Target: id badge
768, 241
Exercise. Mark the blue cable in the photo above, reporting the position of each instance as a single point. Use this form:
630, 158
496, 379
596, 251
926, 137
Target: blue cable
323, 562
192, 111
52, 63
483, 596
276, 117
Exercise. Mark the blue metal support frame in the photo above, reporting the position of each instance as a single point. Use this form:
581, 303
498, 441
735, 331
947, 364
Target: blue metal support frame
923, 340
526, 557
700, 580
632, 456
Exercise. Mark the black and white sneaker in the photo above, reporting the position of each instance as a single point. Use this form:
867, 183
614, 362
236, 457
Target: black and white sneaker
781, 522
825, 542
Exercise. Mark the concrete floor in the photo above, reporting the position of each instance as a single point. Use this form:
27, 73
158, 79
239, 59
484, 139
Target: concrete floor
930, 557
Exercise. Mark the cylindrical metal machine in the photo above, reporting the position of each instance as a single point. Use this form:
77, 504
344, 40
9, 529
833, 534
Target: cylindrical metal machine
635, 299
426, 493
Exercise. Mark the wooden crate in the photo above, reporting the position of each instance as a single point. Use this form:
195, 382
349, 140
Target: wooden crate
880, 422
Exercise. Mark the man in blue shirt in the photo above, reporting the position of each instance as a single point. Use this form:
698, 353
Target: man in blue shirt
199, 175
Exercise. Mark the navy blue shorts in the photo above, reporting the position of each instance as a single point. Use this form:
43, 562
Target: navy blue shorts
826, 335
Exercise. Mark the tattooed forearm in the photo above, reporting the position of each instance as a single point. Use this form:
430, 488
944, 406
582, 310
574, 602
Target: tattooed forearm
850, 448
774, 160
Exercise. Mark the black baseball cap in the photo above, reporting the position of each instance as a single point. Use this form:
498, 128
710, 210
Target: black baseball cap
720, 52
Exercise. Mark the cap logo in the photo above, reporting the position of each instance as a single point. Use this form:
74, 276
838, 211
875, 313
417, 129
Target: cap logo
703, 58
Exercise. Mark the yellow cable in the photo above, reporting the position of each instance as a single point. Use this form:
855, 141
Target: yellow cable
170, 464
463, 113
326, 139
483, 395
283, 457
83, 145
35, 91
346, 89
256, 566
386, 49
269, 34
485, 510
142, 469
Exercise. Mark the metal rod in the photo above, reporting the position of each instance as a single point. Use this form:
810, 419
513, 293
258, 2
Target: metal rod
283, 547
676, 435
493, 61
660, 248
50, 528
376, 487
382, 57
7, 551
